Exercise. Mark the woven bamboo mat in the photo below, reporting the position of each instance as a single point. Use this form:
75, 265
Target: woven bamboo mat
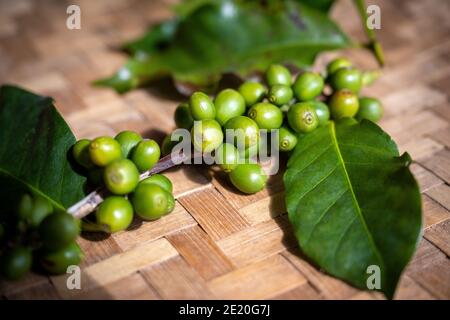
218, 243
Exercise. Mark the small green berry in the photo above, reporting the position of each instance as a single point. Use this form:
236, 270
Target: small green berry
121, 176
80, 152
370, 109
57, 262
25, 207
16, 262
146, 154
58, 230
160, 180
183, 117
346, 78
252, 92
322, 112
278, 74
41, 209
227, 157
302, 117
244, 130
280, 94
307, 86
337, 64
128, 140
206, 135
287, 139
248, 178
343, 104
167, 145
201, 106
266, 115
104, 150
114, 214
151, 202
229, 104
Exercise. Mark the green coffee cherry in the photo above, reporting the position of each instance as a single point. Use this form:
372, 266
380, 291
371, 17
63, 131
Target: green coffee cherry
206, 135
201, 106
370, 109
41, 209
246, 131
114, 214
278, 74
15, 263
248, 178
128, 140
160, 180
25, 207
322, 112
80, 152
280, 94
151, 202
302, 117
337, 64
104, 150
343, 104
266, 115
346, 78
287, 139
251, 152
146, 154
227, 157
183, 117
229, 104
167, 145
307, 86
252, 92
57, 262
121, 176
58, 230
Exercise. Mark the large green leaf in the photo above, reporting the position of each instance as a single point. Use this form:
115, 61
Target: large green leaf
353, 202
34, 142
217, 37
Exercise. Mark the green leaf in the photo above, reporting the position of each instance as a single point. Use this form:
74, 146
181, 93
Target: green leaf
353, 202
228, 36
35, 141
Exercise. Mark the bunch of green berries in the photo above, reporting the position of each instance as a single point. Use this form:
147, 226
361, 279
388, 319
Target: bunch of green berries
294, 108
116, 163
38, 235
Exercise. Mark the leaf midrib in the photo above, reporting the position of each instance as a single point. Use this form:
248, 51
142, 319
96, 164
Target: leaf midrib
32, 188
350, 187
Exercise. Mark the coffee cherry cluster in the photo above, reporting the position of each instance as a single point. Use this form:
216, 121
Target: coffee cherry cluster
294, 108
40, 235
117, 163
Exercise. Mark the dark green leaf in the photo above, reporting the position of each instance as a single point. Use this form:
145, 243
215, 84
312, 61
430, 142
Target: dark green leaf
229, 36
353, 202
34, 144
322, 5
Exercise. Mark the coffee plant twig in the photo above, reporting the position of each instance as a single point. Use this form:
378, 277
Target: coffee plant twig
88, 204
